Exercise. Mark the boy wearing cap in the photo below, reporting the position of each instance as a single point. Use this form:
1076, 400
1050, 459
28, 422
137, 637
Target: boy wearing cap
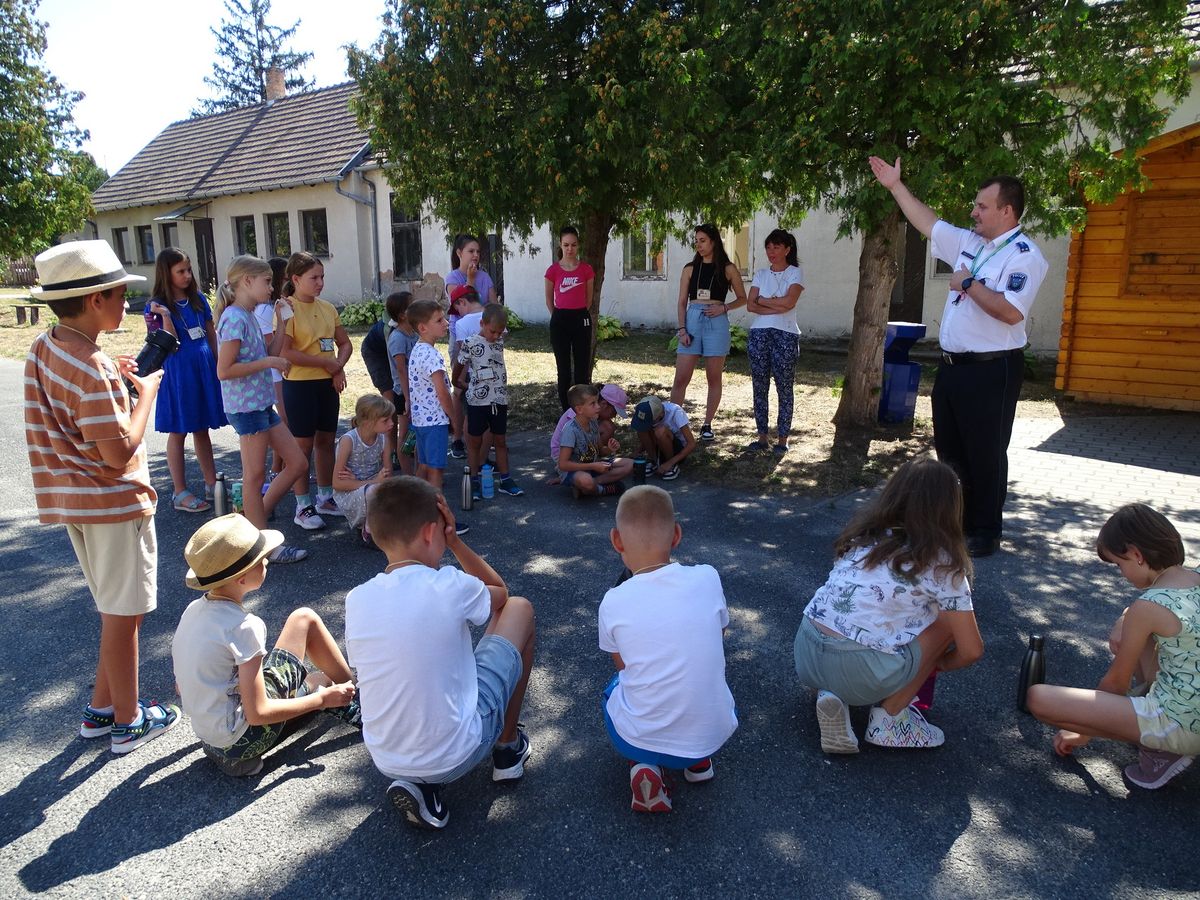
84, 438
613, 401
433, 707
241, 698
664, 433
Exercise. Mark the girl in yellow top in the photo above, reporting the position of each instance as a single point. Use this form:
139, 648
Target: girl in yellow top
316, 345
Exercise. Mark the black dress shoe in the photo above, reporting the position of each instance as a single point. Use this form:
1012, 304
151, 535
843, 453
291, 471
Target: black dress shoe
978, 545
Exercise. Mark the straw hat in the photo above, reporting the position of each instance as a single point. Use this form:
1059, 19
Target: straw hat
225, 548
79, 268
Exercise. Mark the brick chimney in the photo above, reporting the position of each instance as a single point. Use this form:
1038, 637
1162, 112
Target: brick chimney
276, 89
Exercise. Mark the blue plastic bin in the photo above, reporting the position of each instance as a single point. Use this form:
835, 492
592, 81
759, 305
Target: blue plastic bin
901, 378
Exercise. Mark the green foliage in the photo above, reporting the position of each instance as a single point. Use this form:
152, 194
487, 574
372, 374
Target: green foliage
249, 46
608, 328
739, 339
41, 195
512, 321
366, 313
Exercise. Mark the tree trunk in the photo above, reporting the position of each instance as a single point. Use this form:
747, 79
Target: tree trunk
597, 226
877, 268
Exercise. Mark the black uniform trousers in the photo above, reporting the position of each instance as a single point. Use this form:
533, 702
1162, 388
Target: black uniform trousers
974, 404
571, 339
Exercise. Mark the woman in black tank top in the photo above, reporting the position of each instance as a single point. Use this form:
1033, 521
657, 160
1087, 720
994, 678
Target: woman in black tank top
704, 320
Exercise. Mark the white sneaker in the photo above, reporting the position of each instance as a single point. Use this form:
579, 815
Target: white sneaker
907, 730
837, 734
308, 519
327, 506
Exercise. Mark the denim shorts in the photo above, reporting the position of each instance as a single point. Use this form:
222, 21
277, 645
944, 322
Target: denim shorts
247, 423
498, 668
859, 675
710, 334
433, 443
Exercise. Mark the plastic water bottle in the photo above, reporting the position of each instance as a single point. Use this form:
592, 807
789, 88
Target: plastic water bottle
235, 496
487, 482
220, 497
466, 488
1033, 670
639, 469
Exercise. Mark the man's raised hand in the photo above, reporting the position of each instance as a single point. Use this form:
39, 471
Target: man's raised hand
888, 176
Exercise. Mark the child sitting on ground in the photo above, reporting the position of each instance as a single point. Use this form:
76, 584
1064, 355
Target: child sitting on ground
484, 382
668, 705
664, 434
362, 460
896, 606
613, 401
241, 698
433, 709
579, 457
1157, 639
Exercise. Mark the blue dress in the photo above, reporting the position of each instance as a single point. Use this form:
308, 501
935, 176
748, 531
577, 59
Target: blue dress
190, 396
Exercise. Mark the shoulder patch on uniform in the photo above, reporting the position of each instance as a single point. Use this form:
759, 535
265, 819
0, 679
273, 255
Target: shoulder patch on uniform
1017, 280
1022, 246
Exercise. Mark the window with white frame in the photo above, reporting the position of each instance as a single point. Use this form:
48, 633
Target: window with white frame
406, 243
145, 241
737, 247
119, 238
315, 231
645, 256
170, 234
279, 238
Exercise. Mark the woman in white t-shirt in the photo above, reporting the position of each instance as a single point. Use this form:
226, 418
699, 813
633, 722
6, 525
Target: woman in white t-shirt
775, 336
896, 608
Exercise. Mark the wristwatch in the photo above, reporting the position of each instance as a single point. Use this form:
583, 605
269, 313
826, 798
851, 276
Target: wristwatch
966, 283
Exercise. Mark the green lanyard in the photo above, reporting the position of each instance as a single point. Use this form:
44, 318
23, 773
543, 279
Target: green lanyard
980, 263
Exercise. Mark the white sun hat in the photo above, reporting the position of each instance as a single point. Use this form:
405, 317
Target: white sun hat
79, 268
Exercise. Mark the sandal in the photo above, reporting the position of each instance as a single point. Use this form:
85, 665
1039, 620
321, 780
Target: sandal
186, 501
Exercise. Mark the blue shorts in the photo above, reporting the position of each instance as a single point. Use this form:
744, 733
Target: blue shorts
710, 334
637, 754
498, 668
859, 675
247, 423
433, 443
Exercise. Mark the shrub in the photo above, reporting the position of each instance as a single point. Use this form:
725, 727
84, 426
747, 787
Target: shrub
367, 313
739, 339
608, 328
513, 322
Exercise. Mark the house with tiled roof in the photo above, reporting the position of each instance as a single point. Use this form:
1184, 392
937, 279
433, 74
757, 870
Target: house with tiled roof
291, 173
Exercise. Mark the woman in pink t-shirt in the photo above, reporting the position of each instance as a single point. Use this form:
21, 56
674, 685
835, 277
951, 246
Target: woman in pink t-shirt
569, 285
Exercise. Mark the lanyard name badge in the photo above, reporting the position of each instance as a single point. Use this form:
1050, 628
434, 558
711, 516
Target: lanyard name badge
980, 263
705, 294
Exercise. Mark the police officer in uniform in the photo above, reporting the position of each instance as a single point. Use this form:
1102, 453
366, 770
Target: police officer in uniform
997, 273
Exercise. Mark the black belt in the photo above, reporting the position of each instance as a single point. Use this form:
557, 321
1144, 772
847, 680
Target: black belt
965, 359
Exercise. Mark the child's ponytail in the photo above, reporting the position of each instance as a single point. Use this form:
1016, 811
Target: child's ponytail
224, 298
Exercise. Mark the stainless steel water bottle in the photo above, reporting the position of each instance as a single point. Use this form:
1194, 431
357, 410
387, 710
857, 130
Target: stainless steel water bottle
1033, 670
220, 496
466, 488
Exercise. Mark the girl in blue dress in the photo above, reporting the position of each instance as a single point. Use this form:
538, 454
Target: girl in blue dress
189, 401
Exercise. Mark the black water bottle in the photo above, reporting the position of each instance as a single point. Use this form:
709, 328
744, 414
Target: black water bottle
220, 496
639, 469
1033, 670
159, 345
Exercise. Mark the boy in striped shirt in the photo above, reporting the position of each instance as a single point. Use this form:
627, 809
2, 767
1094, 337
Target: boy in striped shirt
89, 473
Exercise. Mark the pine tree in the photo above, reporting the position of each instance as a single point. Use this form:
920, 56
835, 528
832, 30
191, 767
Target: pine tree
40, 195
246, 47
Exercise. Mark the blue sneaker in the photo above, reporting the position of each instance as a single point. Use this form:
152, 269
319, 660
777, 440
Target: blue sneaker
95, 724
509, 486
461, 527
157, 720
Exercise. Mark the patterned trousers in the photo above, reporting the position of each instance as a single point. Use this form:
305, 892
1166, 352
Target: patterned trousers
773, 355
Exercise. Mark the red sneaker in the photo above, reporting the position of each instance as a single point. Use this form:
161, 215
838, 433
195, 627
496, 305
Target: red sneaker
650, 793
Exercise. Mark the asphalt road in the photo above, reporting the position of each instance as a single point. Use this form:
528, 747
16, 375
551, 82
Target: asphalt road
990, 814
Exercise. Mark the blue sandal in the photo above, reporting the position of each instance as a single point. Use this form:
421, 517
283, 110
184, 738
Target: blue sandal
186, 501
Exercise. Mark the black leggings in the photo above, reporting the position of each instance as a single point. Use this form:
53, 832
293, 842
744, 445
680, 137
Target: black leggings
571, 338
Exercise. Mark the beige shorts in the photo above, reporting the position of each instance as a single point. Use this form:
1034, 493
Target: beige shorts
120, 563
1160, 732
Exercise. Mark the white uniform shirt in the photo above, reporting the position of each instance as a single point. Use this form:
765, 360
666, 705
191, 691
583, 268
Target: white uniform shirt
671, 696
1017, 270
407, 637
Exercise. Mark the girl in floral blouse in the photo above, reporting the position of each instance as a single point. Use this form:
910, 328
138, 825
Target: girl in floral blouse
896, 607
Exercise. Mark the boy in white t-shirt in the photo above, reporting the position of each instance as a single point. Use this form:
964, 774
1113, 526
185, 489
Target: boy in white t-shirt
466, 316
241, 698
668, 705
433, 709
664, 434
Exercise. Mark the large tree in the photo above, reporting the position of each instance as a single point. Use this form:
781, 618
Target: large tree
611, 117
247, 46
41, 195
1042, 90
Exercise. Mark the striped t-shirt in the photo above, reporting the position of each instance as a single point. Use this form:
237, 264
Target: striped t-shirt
72, 400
